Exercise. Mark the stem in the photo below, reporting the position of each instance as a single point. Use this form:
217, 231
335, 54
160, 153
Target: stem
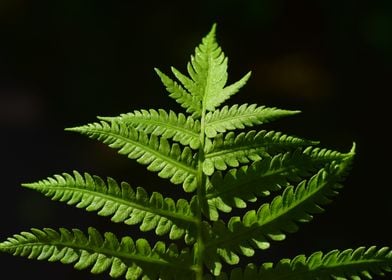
201, 181
200, 176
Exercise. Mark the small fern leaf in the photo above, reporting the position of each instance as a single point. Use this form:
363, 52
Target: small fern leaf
160, 123
121, 202
272, 220
192, 104
126, 257
239, 117
232, 150
361, 263
169, 160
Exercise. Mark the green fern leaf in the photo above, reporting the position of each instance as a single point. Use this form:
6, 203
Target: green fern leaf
273, 219
121, 202
128, 258
233, 150
239, 117
192, 104
209, 56
247, 183
357, 264
170, 161
239, 185
160, 123
205, 89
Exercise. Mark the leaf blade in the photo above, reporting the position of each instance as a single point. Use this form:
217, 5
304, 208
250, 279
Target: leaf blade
272, 220
168, 160
169, 125
100, 252
119, 201
239, 117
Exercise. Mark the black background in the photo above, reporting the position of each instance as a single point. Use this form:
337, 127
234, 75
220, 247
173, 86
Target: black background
64, 62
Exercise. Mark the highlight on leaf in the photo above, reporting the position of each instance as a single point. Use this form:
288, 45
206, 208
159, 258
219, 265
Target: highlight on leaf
275, 181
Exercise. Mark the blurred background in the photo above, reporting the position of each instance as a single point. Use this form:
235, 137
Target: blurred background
64, 62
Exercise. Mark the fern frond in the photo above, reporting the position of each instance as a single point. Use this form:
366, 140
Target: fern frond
169, 160
271, 220
247, 183
160, 123
192, 104
125, 257
361, 263
231, 149
239, 117
239, 185
121, 202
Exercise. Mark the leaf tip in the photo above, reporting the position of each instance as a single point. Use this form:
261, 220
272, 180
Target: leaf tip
213, 28
73, 129
29, 185
353, 148
102, 118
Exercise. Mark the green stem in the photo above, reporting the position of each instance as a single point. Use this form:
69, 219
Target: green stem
201, 181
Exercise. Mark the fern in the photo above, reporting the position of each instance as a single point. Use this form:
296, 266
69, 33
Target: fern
276, 181
121, 202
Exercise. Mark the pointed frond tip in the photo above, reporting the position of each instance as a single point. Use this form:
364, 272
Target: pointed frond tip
169, 160
122, 202
125, 257
205, 88
247, 183
361, 263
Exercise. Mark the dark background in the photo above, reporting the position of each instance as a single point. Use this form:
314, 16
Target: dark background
64, 62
